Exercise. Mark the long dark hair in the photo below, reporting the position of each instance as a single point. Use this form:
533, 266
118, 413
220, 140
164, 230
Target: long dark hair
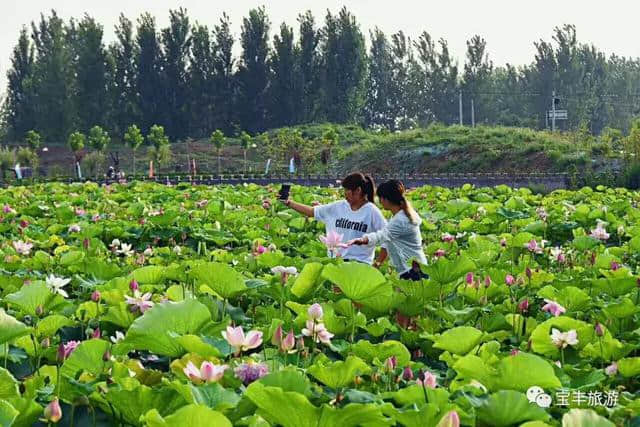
361, 181
393, 191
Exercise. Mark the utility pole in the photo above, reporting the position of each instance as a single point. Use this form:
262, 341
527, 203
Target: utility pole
473, 115
460, 105
553, 111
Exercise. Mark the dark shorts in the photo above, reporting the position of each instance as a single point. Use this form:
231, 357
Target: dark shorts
414, 274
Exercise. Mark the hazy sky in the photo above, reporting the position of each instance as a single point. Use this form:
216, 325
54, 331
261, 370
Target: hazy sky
509, 26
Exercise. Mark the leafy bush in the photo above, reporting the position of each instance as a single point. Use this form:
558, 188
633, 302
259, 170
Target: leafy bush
94, 163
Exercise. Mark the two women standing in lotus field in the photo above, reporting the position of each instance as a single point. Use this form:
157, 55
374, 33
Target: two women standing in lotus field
363, 226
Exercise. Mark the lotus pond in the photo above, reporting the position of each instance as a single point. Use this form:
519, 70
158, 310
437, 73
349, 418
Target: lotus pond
142, 304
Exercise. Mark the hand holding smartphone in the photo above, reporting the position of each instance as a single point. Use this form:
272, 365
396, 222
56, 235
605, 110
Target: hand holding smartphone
284, 192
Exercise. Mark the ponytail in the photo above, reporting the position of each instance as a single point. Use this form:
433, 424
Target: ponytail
369, 188
363, 182
394, 191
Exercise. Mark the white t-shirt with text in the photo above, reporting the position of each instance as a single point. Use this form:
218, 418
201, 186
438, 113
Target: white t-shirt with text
339, 217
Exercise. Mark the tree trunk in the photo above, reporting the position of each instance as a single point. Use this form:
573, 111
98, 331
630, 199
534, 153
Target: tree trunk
218, 161
134, 164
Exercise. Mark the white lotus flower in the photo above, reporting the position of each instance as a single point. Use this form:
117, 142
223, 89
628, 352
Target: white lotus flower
55, 284
119, 337
563, 339
75, 228
125, 249
23, 248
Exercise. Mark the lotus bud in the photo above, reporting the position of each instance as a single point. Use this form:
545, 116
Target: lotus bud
133, 285
523, 307
315, 312
451, 419
614, 266
358, 380
421, 375
85, 243
487, 281
375, 377
39, 310
300, 343
528, 273
96, 333
95, 296
503, 242
289, 342
469, 278
106, 356
390, 364
53, 412
276, 339
45, 343
407, 374
514, 352
599, 329
24, 224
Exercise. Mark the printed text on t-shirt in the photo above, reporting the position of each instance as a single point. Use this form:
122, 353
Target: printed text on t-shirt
351, 225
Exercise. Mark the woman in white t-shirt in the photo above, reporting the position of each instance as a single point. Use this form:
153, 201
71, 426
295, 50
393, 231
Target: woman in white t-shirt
353, 217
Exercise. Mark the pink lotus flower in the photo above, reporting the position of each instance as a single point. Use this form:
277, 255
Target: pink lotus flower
208, 372
315, 312
439, 253
614, 266
53, 412
80, 211
599, 232
509, 280
427, 379
451, 419
139, 302
202, 203
259, 250
236, 339
447, 238
8, 209
514, 352
469, 278
23, 248
333, 241
503, 242
65, 350
95, 218
487, 281
266, 204
533, 246
317, 332
523, 306
553, 308
407, 374
75, 228
612, 369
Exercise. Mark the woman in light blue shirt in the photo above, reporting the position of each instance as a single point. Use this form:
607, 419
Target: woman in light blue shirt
401, 235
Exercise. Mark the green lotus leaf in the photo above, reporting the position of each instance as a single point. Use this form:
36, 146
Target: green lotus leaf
307, 281
11, 328
629, 367
29, 297
285, 408
220, 278
460, 340
8, 385
187, 416
153, 331
368, 351
337, 375
445, 271
149, 275
584, 417
8, 413
541, 336
50, 324
137, 401
358, 281
508, 407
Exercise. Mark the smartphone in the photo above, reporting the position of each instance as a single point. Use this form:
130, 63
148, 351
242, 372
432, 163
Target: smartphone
284, 192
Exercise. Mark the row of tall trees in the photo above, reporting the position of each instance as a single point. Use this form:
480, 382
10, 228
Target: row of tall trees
186, 78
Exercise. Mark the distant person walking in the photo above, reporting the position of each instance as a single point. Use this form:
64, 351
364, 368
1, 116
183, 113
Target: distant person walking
352, 217
402, 233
